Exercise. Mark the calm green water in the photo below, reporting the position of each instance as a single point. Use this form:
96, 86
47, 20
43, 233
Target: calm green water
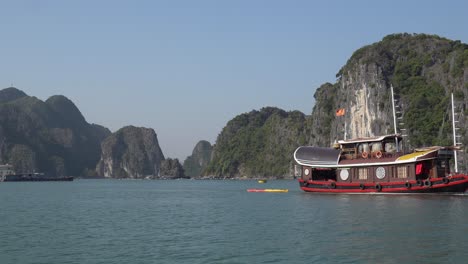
112, 221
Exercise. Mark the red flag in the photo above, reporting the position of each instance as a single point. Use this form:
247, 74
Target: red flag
340, 112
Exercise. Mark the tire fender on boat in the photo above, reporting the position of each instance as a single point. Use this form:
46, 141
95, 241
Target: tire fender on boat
419, 183
445, 180
362, 186
333, 185
378, 187
408, 185
428, 183
378, 154
365, 154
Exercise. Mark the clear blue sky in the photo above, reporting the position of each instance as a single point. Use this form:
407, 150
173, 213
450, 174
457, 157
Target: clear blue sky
185, 68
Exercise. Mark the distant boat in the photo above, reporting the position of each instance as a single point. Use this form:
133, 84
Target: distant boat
33, 177
262, 181
8, 175
268, 190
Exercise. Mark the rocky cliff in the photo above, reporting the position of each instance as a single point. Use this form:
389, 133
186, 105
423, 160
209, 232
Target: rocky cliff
131, 152
171, 169
51, 136
198, 161
423, 69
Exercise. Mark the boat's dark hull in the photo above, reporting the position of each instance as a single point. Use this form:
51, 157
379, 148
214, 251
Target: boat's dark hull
454, 184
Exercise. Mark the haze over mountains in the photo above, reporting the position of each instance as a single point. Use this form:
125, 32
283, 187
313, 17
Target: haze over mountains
52, 136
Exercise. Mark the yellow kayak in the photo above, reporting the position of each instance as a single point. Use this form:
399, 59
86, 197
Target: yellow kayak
268, 190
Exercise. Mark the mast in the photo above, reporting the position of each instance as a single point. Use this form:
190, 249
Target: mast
454, 137
394, 119
345, 134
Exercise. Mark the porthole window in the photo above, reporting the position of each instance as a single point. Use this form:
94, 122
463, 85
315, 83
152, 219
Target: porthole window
344, 174
380, 173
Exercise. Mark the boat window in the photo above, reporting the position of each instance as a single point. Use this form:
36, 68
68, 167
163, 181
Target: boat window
362, 172
364, 147
390, 147
376, 147
402, 172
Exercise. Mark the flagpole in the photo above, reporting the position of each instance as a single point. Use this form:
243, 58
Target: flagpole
341, 112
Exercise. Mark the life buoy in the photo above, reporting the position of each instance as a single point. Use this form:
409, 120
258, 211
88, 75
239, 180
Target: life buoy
408, 185
362, 186
378, 154
378, 187
419, 183
365, 154
333, 185
445, 180
428, 183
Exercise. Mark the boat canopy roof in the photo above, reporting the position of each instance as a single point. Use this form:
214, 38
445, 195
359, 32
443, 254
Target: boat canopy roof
316, 156
369, 139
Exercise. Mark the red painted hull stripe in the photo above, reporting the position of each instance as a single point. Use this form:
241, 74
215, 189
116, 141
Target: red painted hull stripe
370, 187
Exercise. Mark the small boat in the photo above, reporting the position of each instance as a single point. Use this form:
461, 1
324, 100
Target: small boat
268, 190
262, 181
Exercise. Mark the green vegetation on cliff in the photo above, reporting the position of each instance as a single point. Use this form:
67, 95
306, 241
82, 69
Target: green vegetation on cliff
258, 144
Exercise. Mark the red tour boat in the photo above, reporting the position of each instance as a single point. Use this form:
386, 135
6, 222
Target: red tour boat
377, 165
372, 165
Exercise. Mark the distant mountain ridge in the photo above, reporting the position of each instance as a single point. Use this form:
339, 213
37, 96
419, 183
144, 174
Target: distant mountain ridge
11, 94
53, 137
50, 136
